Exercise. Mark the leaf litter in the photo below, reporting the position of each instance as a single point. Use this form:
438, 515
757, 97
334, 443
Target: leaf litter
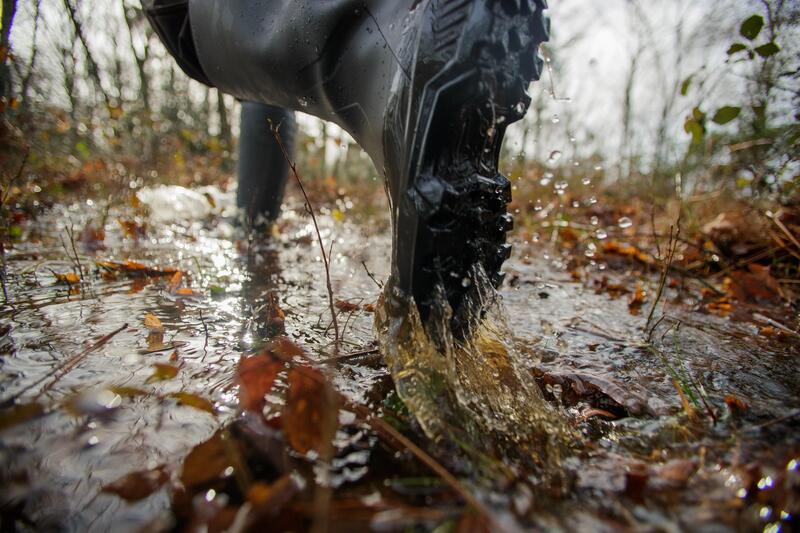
272, 431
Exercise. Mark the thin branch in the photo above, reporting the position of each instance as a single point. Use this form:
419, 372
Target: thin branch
310, 209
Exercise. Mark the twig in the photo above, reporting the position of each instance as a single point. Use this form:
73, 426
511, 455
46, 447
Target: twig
672, 245
378, 283
205, 329
310, 209
65, 367
390, 434
351, 355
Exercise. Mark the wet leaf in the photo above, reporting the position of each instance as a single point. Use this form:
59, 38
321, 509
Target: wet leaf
751, 27
152, 322
205, 463
92, 238
284, 348
162, 372
675, 473
685, 85
755, 285
346, 307
175, 281
597, 391
186, 291
138, 485
19, 414
134, 268
275, 495
70, 278
726, 114
128, 392
132, 229
193, 400
638, 299
255, 375
736, 405
310, 416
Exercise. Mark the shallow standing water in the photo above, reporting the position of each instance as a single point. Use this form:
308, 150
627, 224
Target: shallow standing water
635, 460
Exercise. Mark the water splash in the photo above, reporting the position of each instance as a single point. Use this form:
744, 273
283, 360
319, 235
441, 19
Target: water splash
479, 391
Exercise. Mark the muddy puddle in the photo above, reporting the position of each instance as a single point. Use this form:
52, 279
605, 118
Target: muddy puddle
583, 416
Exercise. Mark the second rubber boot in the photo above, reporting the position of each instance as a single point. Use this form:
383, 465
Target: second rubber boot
262, 169
426, 87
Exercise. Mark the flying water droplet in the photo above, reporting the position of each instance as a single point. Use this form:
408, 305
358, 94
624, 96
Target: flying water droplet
624, 222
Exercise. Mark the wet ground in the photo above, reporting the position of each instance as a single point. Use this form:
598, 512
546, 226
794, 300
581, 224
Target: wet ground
688, 422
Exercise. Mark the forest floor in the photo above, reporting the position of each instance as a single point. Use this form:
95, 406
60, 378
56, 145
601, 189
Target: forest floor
162, 368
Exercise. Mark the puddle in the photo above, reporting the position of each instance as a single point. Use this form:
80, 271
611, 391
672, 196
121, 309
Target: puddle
557, 362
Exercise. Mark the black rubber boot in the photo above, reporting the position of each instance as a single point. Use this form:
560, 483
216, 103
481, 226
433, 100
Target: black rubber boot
427, 87
262, 168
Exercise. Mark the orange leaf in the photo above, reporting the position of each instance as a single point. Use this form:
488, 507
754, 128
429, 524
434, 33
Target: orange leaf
162, 372
138, 485
193, 400
175, 281
68, 278
256, 374
345, 306
152, 322
311, 414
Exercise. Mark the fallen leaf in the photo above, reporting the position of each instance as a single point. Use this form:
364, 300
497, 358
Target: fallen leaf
736, 405
637, 300
69, 278
19, 414
311, 413
92, 238
193, 400
284, 348
205, 463
152, 322
132, 229
255, 376
186, 291
175, 281
346, 307
675, 473
134, 268
127, 392
755, 285
275, 495
138, 485
162, 372
599, 392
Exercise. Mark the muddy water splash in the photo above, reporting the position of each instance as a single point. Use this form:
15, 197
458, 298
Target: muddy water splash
478, 391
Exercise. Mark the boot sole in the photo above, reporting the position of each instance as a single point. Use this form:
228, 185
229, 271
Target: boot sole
488, 50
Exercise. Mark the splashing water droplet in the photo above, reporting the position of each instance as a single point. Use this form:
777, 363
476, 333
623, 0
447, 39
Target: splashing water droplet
601, 234
624, 222
556, 119
555, 155
594, 221
586, 181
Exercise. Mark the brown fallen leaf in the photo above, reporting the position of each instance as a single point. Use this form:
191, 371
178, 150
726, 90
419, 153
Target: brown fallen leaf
638, 299
736, 405
599, 392
311, 413
19, 414
193, 400
675, 473
134, 268
92, 238
138, 485
256, 375
346, 307
175, 281
70, 278
205, 463
152, 322
274, 495
132, 229
755, 285
162, 372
